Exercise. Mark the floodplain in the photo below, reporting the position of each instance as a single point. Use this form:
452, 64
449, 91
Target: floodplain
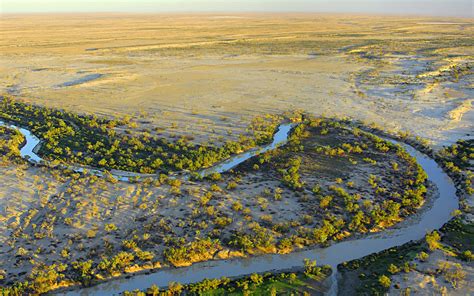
164, 97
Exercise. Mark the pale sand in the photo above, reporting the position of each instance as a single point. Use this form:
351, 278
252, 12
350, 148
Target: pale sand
208, 76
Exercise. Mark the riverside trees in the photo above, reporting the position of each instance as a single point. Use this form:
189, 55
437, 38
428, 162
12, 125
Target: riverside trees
299, 196
10, 141
334, 208
94, 141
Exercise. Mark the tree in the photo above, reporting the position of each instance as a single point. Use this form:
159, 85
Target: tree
393, 269
423, 256
310, 268
103, 162
175, 288
325, 201
256, 279
85, 271
153, 290
290, 175
385, 281
432, 239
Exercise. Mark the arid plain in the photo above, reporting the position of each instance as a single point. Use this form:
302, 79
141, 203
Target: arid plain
207, 79
210, 74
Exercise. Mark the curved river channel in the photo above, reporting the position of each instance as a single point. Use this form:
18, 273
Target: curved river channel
28, 152
417, 226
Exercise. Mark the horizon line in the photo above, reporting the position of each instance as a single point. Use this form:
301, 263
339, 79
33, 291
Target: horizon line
212, 12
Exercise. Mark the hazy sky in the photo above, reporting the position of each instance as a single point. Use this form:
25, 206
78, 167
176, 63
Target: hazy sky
462, 8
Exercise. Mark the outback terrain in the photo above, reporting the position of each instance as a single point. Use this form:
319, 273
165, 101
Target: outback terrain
162, 97
207, 76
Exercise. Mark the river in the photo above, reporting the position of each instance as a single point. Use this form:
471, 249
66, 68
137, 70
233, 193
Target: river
416, 227
31, 142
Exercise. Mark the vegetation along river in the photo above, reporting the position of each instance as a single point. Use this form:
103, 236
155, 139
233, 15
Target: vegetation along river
432, 218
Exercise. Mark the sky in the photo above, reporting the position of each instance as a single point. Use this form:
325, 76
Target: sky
462, 8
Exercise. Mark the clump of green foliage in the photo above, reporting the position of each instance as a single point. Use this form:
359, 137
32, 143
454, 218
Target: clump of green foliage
90, 140
458, 159
374, 271
10, 142
303, 282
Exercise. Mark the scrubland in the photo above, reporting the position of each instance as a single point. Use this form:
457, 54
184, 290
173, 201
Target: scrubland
168, 95
330, 182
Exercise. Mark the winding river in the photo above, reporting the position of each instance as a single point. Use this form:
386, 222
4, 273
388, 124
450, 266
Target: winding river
416, 227
28, 152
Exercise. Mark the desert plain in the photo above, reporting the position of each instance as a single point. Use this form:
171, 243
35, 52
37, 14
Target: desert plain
205, 78
210, 74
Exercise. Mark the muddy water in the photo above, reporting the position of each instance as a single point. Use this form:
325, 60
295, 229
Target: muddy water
432, 218
27, 151
31, 142
279, 138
